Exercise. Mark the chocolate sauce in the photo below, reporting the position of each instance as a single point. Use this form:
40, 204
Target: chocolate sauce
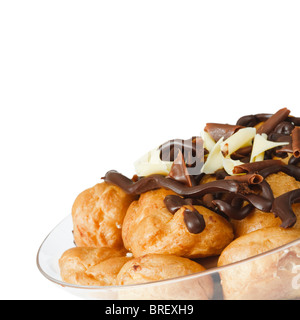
282, 208
158, 181
232, 212
174, 202
194, 221
290, 170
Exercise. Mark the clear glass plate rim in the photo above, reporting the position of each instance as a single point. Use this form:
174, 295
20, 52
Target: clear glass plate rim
166, 281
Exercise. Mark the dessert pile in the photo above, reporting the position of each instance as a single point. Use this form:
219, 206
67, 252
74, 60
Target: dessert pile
231, 193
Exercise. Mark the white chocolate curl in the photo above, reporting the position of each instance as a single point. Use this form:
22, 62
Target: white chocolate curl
229, 165
208, 141
214, 161
237, 141
261, 145
151, 163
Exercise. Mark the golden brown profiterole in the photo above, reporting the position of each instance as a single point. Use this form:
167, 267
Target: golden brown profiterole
280, 183
267, 277
98, 215
154, 267
149, 227
92, 266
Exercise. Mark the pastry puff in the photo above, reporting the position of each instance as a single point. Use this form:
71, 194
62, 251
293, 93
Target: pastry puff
149, 227
154, 267
268, 277
280, 183
98, 215
91, 266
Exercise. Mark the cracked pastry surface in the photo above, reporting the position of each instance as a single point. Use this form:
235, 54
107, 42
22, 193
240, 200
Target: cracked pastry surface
98, 214
150, 228
268, 277
92, 266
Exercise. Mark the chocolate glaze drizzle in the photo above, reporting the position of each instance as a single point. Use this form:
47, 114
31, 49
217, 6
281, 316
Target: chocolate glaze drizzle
158, 181
282, 208
233, 212
174, 202
290, 170
194, 221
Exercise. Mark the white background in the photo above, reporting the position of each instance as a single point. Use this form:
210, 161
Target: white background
89, 86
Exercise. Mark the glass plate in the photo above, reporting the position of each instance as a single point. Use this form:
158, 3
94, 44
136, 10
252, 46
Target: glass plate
273, 275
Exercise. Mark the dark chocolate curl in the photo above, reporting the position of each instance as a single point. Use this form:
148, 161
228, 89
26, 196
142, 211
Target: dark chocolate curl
252, 178
282, 208
218, 130
194, 221
296, 142
274, 121
255, 166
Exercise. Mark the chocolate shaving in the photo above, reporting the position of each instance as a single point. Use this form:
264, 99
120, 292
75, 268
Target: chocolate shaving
296, 142
158, 181
179, 171
280, 137
255, 167
194, 221
274, 121
218, 130
282, 208
242, 153
251, 178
